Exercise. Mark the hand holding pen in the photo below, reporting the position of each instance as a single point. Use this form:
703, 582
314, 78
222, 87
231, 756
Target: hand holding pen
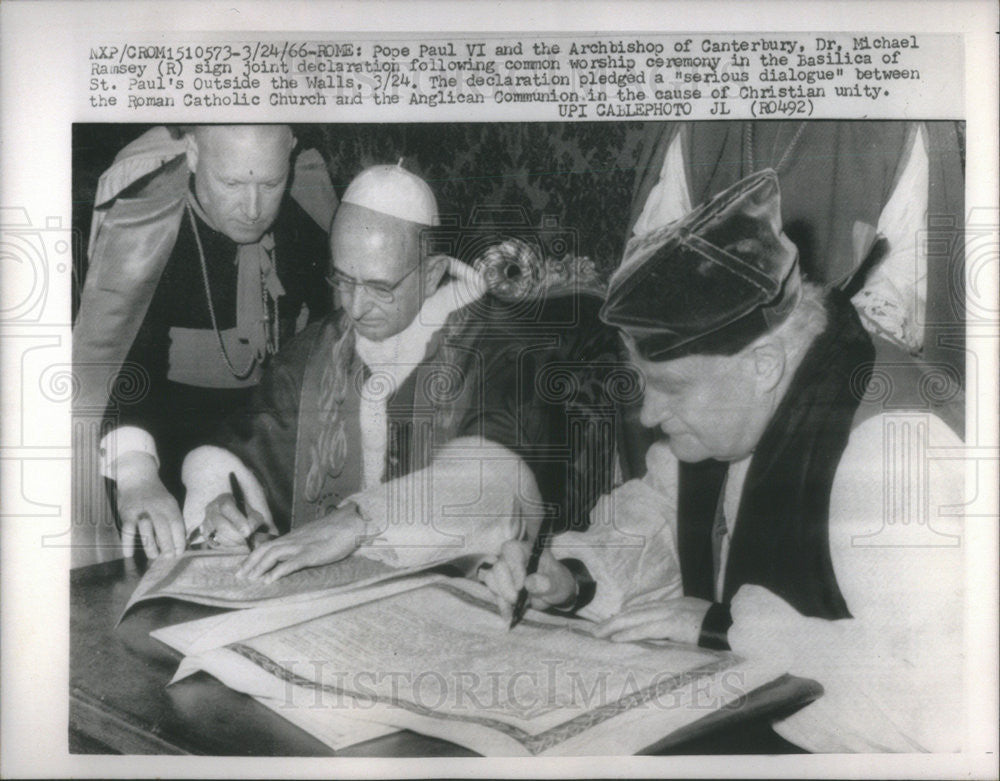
229, 523
550, 584
530, 569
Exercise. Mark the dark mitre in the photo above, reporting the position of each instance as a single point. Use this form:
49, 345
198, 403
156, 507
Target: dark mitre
711, 282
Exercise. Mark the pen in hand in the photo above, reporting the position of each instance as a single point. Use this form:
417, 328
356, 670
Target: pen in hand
241, 505
536, 554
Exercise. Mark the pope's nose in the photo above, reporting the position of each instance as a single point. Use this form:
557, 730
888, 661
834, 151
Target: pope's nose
358, 304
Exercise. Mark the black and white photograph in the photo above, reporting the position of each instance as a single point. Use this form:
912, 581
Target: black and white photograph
573, 397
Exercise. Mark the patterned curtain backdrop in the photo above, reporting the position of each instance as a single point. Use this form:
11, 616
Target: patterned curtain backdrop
577, 178
574, 178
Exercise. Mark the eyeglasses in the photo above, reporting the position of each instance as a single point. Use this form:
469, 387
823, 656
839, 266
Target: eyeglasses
380, 291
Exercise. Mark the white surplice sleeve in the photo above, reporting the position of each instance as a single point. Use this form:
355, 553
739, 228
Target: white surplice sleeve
474, 496
894, 297
892, 673
669, 198
630, 546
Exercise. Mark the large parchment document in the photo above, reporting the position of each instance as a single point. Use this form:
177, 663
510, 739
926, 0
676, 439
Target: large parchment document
439, 660
209, 578
196, 637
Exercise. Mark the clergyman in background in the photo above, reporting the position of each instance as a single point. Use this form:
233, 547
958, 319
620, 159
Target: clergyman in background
202, 263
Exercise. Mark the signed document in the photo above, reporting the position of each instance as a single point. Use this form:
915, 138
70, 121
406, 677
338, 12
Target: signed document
205, 634
439, 660
209, 578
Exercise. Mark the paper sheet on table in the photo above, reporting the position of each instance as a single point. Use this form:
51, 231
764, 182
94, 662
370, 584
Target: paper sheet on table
439, 661
208, 578
335, 731
204, 634
337, 727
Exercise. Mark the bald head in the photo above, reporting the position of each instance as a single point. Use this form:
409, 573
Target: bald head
252, 134
240, 173
382, 252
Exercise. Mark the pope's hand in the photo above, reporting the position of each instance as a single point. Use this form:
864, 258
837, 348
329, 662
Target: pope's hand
552, 584
146, 508
322, 541
679, 620
227, 526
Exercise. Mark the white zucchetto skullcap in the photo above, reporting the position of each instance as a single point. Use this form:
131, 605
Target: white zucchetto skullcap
392, 190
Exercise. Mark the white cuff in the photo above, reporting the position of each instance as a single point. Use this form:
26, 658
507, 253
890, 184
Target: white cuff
206, 475
122, 440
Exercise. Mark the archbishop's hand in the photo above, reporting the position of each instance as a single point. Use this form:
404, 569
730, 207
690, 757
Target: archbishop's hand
552, 584
323, 541
146, 508
679, 620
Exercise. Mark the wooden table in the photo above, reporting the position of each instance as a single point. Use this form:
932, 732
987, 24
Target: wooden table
120, 702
